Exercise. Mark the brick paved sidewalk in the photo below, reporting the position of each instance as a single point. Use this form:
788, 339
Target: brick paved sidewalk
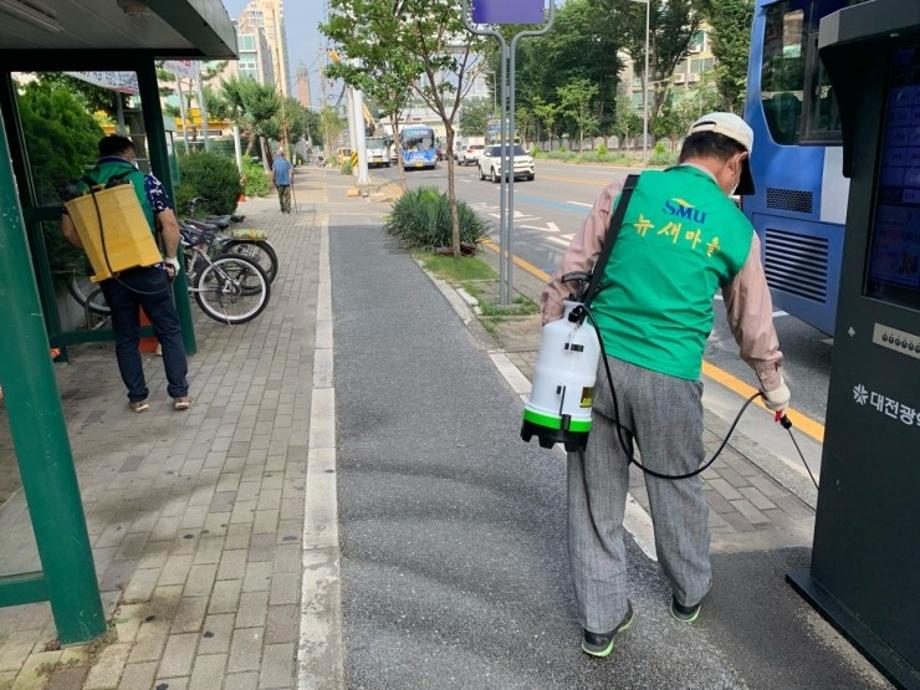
196, 519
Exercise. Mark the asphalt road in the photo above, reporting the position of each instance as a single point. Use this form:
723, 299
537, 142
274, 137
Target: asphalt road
549, 210
454, 566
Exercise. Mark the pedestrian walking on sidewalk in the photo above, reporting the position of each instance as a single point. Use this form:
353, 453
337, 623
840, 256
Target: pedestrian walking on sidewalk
682, 238
147, 287
283, 179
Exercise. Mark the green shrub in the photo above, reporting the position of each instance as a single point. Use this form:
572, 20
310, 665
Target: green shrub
347, 168
420, 219
661, 156
213, 177
62, 137
602, 151
184, 195
256, 181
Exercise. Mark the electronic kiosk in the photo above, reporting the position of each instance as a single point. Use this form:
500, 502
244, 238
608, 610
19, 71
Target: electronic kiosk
865, 568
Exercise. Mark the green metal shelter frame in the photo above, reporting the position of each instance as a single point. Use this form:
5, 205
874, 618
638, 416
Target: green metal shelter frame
28, 312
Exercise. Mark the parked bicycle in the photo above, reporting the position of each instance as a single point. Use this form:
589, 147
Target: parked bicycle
249, 242
229, 287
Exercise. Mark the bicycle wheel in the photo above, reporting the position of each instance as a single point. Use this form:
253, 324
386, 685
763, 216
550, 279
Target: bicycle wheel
232, 289
88, 295
260, 251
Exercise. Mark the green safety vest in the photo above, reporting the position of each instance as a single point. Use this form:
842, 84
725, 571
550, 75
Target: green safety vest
106, 170
681, 239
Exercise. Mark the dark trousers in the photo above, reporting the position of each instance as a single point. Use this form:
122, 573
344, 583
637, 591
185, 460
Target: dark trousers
284, 197
154, 294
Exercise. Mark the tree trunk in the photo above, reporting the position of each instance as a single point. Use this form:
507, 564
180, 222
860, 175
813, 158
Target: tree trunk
250, 143
394, 124
452, 195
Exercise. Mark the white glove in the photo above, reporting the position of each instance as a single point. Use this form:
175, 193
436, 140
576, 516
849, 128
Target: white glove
778, 398
172, 262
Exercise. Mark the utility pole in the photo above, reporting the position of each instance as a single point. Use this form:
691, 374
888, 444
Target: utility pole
202, 106
360, 139
182, 112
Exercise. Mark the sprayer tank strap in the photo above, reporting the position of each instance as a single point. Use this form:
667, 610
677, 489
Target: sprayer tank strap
613, 231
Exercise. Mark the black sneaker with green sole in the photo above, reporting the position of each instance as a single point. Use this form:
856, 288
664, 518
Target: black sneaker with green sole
685, 614
601, 644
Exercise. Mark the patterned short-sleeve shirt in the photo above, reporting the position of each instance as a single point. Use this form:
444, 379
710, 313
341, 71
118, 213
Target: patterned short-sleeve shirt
156, 194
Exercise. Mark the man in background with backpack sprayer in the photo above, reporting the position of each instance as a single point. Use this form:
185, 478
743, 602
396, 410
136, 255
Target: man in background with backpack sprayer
682, 238
148, 287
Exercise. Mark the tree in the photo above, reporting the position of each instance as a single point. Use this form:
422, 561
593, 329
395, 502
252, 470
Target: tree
673, 24
731, 44
627, 122
475, 116
548, 114
378, 62
333, 124
584, 43
575, 101
433, 31
252, 106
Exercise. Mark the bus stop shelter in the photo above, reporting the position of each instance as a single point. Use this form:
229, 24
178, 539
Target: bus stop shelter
71, 35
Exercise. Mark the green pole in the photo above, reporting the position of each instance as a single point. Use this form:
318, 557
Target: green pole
159, 165
39, 432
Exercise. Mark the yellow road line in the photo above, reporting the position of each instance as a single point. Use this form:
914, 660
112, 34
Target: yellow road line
801, 421
518, 261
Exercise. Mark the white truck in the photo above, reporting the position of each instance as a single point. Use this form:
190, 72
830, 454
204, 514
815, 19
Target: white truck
378, 152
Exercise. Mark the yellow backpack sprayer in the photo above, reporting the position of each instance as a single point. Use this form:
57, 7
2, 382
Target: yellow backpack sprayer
100, 210
571, 349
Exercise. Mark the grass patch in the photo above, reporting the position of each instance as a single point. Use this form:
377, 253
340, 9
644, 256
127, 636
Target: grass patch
520, 306
456, 270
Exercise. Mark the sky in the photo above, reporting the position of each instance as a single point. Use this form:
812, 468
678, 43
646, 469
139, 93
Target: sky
301, 18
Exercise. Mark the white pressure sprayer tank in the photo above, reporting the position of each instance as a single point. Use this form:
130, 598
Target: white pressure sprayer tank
559, 408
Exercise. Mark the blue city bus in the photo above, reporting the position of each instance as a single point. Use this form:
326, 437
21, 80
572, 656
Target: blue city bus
419, 147
799, 210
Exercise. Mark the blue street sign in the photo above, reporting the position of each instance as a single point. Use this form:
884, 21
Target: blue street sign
508, 11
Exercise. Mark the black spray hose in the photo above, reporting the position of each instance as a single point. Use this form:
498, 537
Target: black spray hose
784, 421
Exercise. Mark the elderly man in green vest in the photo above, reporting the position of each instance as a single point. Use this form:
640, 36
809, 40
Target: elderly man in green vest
148, 287
682, 239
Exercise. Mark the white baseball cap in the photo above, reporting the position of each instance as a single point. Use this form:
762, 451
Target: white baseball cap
736, 129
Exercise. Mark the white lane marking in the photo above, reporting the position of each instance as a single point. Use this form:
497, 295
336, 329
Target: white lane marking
558, 240
777, 314
495, 215
568, 237
518, 382
464, 180
580, 203
320, 652
553, 227
534, 227
639, 524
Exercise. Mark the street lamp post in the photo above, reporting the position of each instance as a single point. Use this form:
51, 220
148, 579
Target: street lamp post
648, 11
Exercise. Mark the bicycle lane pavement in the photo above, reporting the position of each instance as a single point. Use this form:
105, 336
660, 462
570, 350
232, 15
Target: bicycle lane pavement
454, 564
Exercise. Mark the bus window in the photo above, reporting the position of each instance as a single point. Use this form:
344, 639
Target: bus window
823, 113
783, 75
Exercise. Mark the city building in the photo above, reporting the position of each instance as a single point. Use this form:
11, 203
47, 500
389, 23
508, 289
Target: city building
268, 16
256, 61
302, 86
688, 75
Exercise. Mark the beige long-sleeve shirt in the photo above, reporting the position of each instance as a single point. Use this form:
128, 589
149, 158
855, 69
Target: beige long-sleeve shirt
748, 305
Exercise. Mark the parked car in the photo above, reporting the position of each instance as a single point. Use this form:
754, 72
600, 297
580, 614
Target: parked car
490, 164
470, 155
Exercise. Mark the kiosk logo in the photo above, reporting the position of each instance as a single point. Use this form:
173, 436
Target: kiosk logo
889, 407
